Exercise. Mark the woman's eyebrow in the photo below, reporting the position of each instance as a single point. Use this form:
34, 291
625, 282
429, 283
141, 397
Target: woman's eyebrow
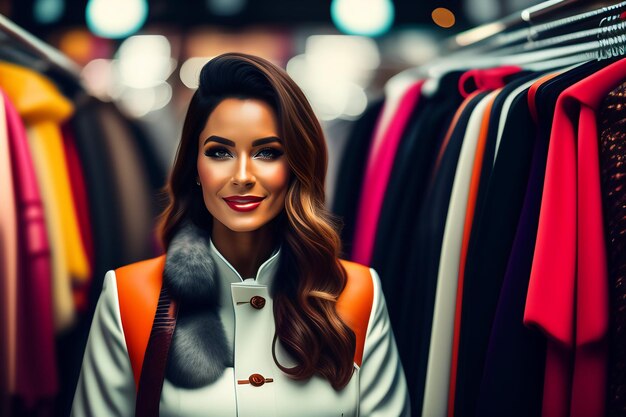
219, 139
228, 142
263, 141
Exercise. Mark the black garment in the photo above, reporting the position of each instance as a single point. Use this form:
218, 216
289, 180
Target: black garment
612, 129
512, 382
492, 136
420, 281
412, 166
352, 172
493, 232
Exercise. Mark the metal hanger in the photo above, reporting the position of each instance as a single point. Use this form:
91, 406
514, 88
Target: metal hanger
530, 24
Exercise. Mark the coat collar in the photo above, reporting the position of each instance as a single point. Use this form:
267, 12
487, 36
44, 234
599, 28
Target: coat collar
228, 274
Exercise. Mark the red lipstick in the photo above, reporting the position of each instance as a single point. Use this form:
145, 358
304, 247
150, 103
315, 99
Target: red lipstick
243, 202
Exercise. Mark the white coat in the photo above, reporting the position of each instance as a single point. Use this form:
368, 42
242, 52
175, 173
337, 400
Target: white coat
378, 388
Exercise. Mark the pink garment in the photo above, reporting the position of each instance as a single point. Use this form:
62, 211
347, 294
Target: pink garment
486, 79
379, 163
568, 290
8, 271
36, 360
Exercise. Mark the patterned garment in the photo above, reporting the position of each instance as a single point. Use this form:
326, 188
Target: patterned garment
612, 129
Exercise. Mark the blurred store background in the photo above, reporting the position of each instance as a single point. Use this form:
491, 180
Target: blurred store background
144, 56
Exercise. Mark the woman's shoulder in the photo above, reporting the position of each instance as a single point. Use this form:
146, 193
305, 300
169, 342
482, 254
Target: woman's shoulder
146, 275
356, 302
359, 280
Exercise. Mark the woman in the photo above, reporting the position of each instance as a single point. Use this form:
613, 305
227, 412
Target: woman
250, 312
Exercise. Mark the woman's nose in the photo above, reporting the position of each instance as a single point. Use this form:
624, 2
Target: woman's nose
243, 175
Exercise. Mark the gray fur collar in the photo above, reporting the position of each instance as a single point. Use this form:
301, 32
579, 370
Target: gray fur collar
199, 352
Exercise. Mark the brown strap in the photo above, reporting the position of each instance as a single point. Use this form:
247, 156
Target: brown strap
155, 359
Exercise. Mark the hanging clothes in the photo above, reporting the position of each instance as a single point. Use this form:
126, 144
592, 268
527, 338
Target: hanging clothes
36, 375
411, 169
612, 151
8, 266
568, 293
132, 185
377, 172
442, 329
80, 290
352, 171
42, 112
427, 230
515, 355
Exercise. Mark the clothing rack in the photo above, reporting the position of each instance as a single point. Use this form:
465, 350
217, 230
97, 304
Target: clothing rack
532, 21
40, 49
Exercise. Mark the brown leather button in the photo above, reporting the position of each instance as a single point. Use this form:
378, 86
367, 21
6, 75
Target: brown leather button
256, 380
257, 302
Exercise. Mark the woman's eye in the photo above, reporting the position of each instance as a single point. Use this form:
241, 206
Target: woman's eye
269, 153
218, 153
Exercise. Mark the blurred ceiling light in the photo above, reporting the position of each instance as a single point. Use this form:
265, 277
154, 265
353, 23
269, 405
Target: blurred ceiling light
334, 71
144, 61
297, 68
362, 17
98, 77
226, 7
190, 71
356, 103
162, 96
443, 17
48, 11
116, 18
137, 102
352, 51
415, 46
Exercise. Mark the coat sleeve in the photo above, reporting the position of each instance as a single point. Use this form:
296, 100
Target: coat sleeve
105, 386
383, 389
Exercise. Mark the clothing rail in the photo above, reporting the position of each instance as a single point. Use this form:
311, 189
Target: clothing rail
528, 16
39, 48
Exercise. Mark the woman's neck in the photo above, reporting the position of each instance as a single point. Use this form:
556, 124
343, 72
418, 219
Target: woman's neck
245, 251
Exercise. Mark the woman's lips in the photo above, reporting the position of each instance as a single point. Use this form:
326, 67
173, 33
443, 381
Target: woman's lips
243, 203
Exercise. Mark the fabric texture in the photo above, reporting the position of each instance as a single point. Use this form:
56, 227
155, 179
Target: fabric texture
612, 128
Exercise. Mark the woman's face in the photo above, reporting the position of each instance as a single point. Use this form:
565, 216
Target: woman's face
241, 165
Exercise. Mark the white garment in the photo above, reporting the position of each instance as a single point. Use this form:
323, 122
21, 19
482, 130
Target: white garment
442, 332
378, 388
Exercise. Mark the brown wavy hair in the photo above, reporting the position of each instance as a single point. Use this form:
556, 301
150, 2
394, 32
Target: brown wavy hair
310, 277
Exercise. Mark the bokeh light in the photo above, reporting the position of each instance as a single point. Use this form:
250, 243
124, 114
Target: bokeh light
363, 17
116, 18
48, 11
443, 17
